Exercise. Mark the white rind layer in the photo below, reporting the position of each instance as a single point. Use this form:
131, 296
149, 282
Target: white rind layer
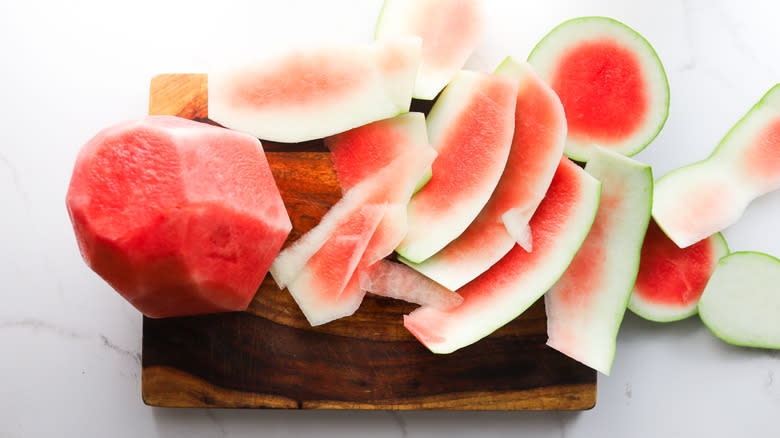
583, 317
547, 53
741, 302
390, 67
408, 17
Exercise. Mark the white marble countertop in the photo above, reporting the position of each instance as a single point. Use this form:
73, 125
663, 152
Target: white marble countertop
70, 362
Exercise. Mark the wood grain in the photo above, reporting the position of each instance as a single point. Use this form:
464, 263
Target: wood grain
269, 356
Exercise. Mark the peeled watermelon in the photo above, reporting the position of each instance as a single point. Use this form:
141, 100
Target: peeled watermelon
179, 217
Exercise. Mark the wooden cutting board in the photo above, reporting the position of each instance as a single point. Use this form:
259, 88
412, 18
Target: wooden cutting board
269, 356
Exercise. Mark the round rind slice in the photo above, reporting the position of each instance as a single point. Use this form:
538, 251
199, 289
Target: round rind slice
312, 93
611, 82
471, 127
671, 279
741, 302
450, 31
696, 201
537, 147
520, 278
180, 217
586, 305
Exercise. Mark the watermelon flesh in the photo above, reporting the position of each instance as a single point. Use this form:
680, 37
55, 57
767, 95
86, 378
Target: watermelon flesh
180, 217
741, 302
471, 127
701, 199
671, 279
536, 150
520, 278
586, 305
450, 31
316, 92
612, 85
394, 280
320, 289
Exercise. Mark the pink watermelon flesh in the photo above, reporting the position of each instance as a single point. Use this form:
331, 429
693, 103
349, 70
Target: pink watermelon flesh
394, 280
671, 280
320, 287
510, 286
180, 217
450, 31
315, 92
600, 84
360, 153
537, 147
471, 127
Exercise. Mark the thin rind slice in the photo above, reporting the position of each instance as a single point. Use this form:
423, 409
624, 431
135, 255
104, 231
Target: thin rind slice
696, 201
395, 181
471, 127
315, 92
611, 82
320, 289
671, 279
450, 31
394, 280
586, 305
520, 278
537, 147
741, 302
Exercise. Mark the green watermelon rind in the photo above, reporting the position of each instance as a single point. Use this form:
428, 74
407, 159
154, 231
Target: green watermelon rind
768, 99
642, 310
581, 156
590, 199
644, 172
713, 326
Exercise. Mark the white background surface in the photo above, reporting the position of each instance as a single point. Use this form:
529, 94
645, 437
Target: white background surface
70, 347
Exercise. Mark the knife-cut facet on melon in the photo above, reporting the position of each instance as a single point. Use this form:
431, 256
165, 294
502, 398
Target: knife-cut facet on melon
450, 31
510, 286
394, 280
612, 85
470, 126
319, 287
671, 279
537, 146
741, 302
180, 217
586, 305
698, 200
316, 92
